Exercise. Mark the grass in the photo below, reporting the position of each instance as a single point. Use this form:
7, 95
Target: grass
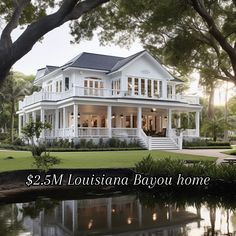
230, 152
23, 159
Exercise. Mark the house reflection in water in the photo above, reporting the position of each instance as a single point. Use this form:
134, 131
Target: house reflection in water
122, 215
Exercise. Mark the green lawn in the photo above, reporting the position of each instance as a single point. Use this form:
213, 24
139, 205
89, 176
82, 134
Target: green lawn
23, 160
231, 152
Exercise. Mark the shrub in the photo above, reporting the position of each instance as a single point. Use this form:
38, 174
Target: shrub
83, 143
170, 167
90, 144
45, 161
38, 150
18, 142
232, 138
3, 136
198, 142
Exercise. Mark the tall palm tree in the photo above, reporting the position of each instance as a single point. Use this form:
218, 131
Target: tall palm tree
12, 91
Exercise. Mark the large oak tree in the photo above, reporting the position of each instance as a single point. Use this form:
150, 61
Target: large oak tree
34, 15
187, 34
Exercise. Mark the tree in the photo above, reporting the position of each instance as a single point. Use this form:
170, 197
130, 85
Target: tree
33, 130
33, 15
14, 88
183, 34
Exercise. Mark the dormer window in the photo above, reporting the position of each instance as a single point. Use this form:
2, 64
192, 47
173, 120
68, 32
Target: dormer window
67, 83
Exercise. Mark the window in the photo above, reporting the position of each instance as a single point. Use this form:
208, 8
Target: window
57, 86
67, 83
129, 86
149, 88
156, 92
93, 87
160, 89
136, 80
115, 87
169, 91
142, 87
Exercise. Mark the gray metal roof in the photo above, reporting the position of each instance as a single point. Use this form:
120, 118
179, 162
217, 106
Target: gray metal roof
94, 61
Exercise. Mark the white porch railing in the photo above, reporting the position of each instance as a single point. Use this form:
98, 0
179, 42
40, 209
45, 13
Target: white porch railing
93, 132
190, 99
124, 132
178, 139
146, 139
190, 132
95, 92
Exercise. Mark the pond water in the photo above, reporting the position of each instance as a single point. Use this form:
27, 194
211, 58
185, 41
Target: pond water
122, 215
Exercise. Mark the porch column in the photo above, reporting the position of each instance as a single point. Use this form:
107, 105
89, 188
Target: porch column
179, 120
75, 120
64, 121
139, 120
27, 117
197, 123
34, 116
56, 121
131, 121
169, 121
109, 121
164, 89
42, 119
19, 124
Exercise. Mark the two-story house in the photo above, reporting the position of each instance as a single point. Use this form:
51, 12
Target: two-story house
99, 96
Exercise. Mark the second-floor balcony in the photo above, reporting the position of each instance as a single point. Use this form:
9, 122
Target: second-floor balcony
98, 92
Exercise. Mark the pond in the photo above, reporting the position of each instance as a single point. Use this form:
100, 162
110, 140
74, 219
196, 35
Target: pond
131, 215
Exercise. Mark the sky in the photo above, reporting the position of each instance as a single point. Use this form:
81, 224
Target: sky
56, 49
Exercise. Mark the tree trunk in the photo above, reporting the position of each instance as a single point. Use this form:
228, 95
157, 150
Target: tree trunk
12, 52
12, 120
226, 133
211, 103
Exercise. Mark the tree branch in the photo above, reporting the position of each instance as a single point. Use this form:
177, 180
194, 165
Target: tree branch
68, 11
83, 7
199, 7
13, 23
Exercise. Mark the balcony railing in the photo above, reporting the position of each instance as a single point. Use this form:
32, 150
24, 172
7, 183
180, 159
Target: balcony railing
95, 92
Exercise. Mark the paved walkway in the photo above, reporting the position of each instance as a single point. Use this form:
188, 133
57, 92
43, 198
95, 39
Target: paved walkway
205, 152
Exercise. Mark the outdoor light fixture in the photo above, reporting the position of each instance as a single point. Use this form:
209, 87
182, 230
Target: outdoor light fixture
121, 116
154, 216
129, 220
72, 114
78, 115
153, 110
113, 116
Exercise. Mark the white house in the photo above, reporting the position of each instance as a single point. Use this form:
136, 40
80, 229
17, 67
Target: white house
101, 96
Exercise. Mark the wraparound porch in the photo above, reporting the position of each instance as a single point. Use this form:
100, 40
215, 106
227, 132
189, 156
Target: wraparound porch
90, 121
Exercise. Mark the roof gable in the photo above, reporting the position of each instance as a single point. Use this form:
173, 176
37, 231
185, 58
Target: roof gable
95, 61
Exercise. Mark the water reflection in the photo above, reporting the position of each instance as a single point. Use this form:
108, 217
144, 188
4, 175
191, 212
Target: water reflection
121, 215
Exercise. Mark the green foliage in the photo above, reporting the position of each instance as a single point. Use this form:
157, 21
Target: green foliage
170, 167
45, 161
33, 11
38, 150
33, 129
16, 86
171, 30
232, 105
18, 142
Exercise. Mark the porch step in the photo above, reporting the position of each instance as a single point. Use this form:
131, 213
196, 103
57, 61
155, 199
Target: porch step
162, 143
